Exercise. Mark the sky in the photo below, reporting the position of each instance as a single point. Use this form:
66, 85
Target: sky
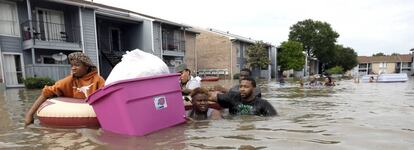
367, 26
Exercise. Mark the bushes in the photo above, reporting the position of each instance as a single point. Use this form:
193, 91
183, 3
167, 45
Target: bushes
37, 82
335, 70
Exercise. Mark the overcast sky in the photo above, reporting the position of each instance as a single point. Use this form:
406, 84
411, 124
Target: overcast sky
367, 26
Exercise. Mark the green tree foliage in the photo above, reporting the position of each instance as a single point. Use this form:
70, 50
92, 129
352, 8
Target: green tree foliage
395, 54
290, 56
344, 57
258, 55
378, 54
318, 39
335, 70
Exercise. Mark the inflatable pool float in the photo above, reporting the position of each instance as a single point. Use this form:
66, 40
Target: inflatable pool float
67, 112
396, 77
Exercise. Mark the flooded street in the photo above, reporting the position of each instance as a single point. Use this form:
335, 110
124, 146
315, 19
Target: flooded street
348, 116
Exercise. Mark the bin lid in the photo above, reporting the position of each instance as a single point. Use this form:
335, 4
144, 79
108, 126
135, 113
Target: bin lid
113, 86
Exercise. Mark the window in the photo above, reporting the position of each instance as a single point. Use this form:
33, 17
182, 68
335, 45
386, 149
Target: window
50, 25
9, 24
383, 65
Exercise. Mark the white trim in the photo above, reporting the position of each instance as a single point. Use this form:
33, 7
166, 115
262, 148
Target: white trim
152, 37
96, 43
17, 19
119, 16
81, 29
21, 62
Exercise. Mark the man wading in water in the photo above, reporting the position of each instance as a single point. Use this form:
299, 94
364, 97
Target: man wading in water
244, 102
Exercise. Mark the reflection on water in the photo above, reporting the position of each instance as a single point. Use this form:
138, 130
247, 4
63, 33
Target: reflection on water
348, 116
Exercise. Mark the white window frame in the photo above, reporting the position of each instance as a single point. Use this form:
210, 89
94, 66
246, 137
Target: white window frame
17, 26
110, 38
21, 62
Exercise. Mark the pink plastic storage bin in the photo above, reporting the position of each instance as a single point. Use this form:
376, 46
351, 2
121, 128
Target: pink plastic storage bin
139, 106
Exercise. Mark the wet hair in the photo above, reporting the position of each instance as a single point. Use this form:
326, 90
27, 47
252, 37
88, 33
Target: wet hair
199, 90
247, 70
251, 81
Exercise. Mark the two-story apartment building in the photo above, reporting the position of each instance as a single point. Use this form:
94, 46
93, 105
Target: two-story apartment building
224, 54
384, 64
37, 35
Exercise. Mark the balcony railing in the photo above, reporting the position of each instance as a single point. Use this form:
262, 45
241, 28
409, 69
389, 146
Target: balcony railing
173, 45
47, 31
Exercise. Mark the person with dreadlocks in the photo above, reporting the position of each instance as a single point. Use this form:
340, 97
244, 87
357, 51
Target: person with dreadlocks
83, 81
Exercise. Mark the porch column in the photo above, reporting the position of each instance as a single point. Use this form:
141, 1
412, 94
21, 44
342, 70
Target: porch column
269, 73
29, 14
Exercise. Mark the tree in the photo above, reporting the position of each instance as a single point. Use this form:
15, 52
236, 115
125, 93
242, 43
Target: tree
258, 55
290, 56
345, 57
378, 54
318, 39
395, 54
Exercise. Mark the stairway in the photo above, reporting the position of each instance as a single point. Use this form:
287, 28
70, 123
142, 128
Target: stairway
112, 58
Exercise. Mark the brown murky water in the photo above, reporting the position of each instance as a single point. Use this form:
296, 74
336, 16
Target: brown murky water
348, 116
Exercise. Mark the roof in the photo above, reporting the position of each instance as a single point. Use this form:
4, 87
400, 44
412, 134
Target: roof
394, 58
232, 36
97, 6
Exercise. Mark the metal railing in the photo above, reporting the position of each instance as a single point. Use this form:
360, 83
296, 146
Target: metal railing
47, 31
172, 44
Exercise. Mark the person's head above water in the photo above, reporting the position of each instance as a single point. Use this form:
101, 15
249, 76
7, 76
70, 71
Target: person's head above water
199, 99
81, 64
247, 86
245, 73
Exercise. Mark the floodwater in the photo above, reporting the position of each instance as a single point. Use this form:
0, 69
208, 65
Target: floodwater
376, 116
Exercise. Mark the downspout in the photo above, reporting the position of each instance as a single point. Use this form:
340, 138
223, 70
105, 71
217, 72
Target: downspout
81, 30
269, 74
276, 71
195, 54
1, 64
161, 49
96, 43
31, 35
185, 40
231, 59
152, 35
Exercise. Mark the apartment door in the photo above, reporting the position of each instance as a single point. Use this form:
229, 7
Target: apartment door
115, 39
13, 69
51, 24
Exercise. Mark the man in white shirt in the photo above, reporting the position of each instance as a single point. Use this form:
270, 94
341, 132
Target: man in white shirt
188, 82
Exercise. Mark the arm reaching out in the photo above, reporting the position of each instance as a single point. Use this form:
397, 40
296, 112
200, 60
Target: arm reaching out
29, 115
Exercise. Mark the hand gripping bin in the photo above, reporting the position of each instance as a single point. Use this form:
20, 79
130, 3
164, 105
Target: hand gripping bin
139, 106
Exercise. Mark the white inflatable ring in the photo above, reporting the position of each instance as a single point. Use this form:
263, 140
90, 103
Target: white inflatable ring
67, 112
